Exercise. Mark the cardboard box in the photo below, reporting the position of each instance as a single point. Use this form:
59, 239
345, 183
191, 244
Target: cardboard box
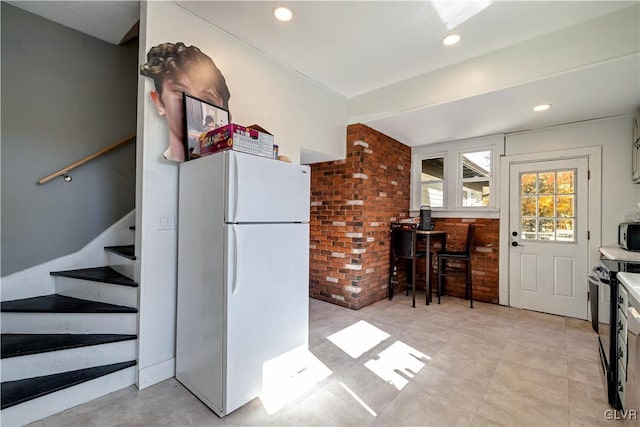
239, 138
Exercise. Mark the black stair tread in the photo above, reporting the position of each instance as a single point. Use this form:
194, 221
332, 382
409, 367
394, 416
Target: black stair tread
127, 251
61, 304
20, 391
14, 345
97, 274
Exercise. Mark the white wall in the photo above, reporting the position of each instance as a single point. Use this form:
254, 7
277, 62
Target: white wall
302, 115
619, 193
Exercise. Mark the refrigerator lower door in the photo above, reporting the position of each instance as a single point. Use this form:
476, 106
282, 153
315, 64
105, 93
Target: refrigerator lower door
266, 190
267, 305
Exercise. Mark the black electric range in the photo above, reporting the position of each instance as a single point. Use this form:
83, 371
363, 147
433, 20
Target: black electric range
605, 277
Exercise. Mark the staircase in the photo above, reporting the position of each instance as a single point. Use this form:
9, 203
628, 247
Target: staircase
75, 345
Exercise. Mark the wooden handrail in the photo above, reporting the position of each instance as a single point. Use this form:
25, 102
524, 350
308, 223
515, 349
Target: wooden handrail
90, 157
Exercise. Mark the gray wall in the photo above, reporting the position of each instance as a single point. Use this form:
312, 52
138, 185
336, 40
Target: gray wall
65, 95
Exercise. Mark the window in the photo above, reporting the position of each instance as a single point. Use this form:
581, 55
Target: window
475, 178
458, 177
432, 182
547, 206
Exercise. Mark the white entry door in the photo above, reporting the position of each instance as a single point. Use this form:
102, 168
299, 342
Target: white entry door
548, 229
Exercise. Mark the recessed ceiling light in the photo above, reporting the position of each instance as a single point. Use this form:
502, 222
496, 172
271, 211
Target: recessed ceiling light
542, 107
451, 39
283, 14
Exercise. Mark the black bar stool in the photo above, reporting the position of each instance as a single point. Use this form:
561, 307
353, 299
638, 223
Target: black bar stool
453, 268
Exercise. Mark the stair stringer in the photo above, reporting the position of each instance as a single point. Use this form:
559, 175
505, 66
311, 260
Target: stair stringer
36, 280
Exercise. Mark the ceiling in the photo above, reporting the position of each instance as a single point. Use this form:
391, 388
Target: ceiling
386, 58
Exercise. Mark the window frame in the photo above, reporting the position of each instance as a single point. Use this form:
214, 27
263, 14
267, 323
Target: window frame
452, 181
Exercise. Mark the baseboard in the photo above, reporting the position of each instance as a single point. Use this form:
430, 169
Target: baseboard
154, 374
36, 281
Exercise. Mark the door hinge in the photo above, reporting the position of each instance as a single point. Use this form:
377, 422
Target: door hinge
588, 296
588, 235
588, 174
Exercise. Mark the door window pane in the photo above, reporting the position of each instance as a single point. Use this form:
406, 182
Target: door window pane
565, 182
565, 206
528, 206
528, 183
565, 230
547, 206
528, 229
546, 229
546, 183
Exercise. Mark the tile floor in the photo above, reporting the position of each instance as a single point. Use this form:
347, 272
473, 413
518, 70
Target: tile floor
440, 365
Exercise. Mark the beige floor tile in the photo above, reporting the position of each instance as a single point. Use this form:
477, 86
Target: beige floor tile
533, 357
588, 404
171, 404
471, 343
323, 408
584, 371
504, 406
532, 382
463, 392
123, 406
586, 348
459, 361
546, 340
416, 408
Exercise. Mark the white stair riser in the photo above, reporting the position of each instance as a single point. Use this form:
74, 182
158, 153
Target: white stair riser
69, 323
53, 403
97, 291
54, 362
121, 264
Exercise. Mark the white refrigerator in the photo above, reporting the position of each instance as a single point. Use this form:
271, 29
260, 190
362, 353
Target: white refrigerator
243, 273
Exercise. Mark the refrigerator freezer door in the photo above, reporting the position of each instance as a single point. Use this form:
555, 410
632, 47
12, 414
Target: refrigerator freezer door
266, 190
200, 323
267, 301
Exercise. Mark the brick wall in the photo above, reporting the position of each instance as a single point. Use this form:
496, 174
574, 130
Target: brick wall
484, 258
353, 201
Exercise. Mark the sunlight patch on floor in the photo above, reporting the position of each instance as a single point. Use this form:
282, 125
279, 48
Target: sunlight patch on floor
398, 364
290, 375
358, 338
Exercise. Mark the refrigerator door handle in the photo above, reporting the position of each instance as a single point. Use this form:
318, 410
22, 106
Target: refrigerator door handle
236, 271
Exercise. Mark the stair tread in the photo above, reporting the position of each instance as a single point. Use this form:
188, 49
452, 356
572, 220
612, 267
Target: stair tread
97, 274
127, 251
14, 345
20, 391
61, 304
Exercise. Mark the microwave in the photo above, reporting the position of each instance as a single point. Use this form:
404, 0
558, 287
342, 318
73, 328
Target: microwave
629, 236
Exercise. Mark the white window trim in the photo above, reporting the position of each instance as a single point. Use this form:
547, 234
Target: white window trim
452, 198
